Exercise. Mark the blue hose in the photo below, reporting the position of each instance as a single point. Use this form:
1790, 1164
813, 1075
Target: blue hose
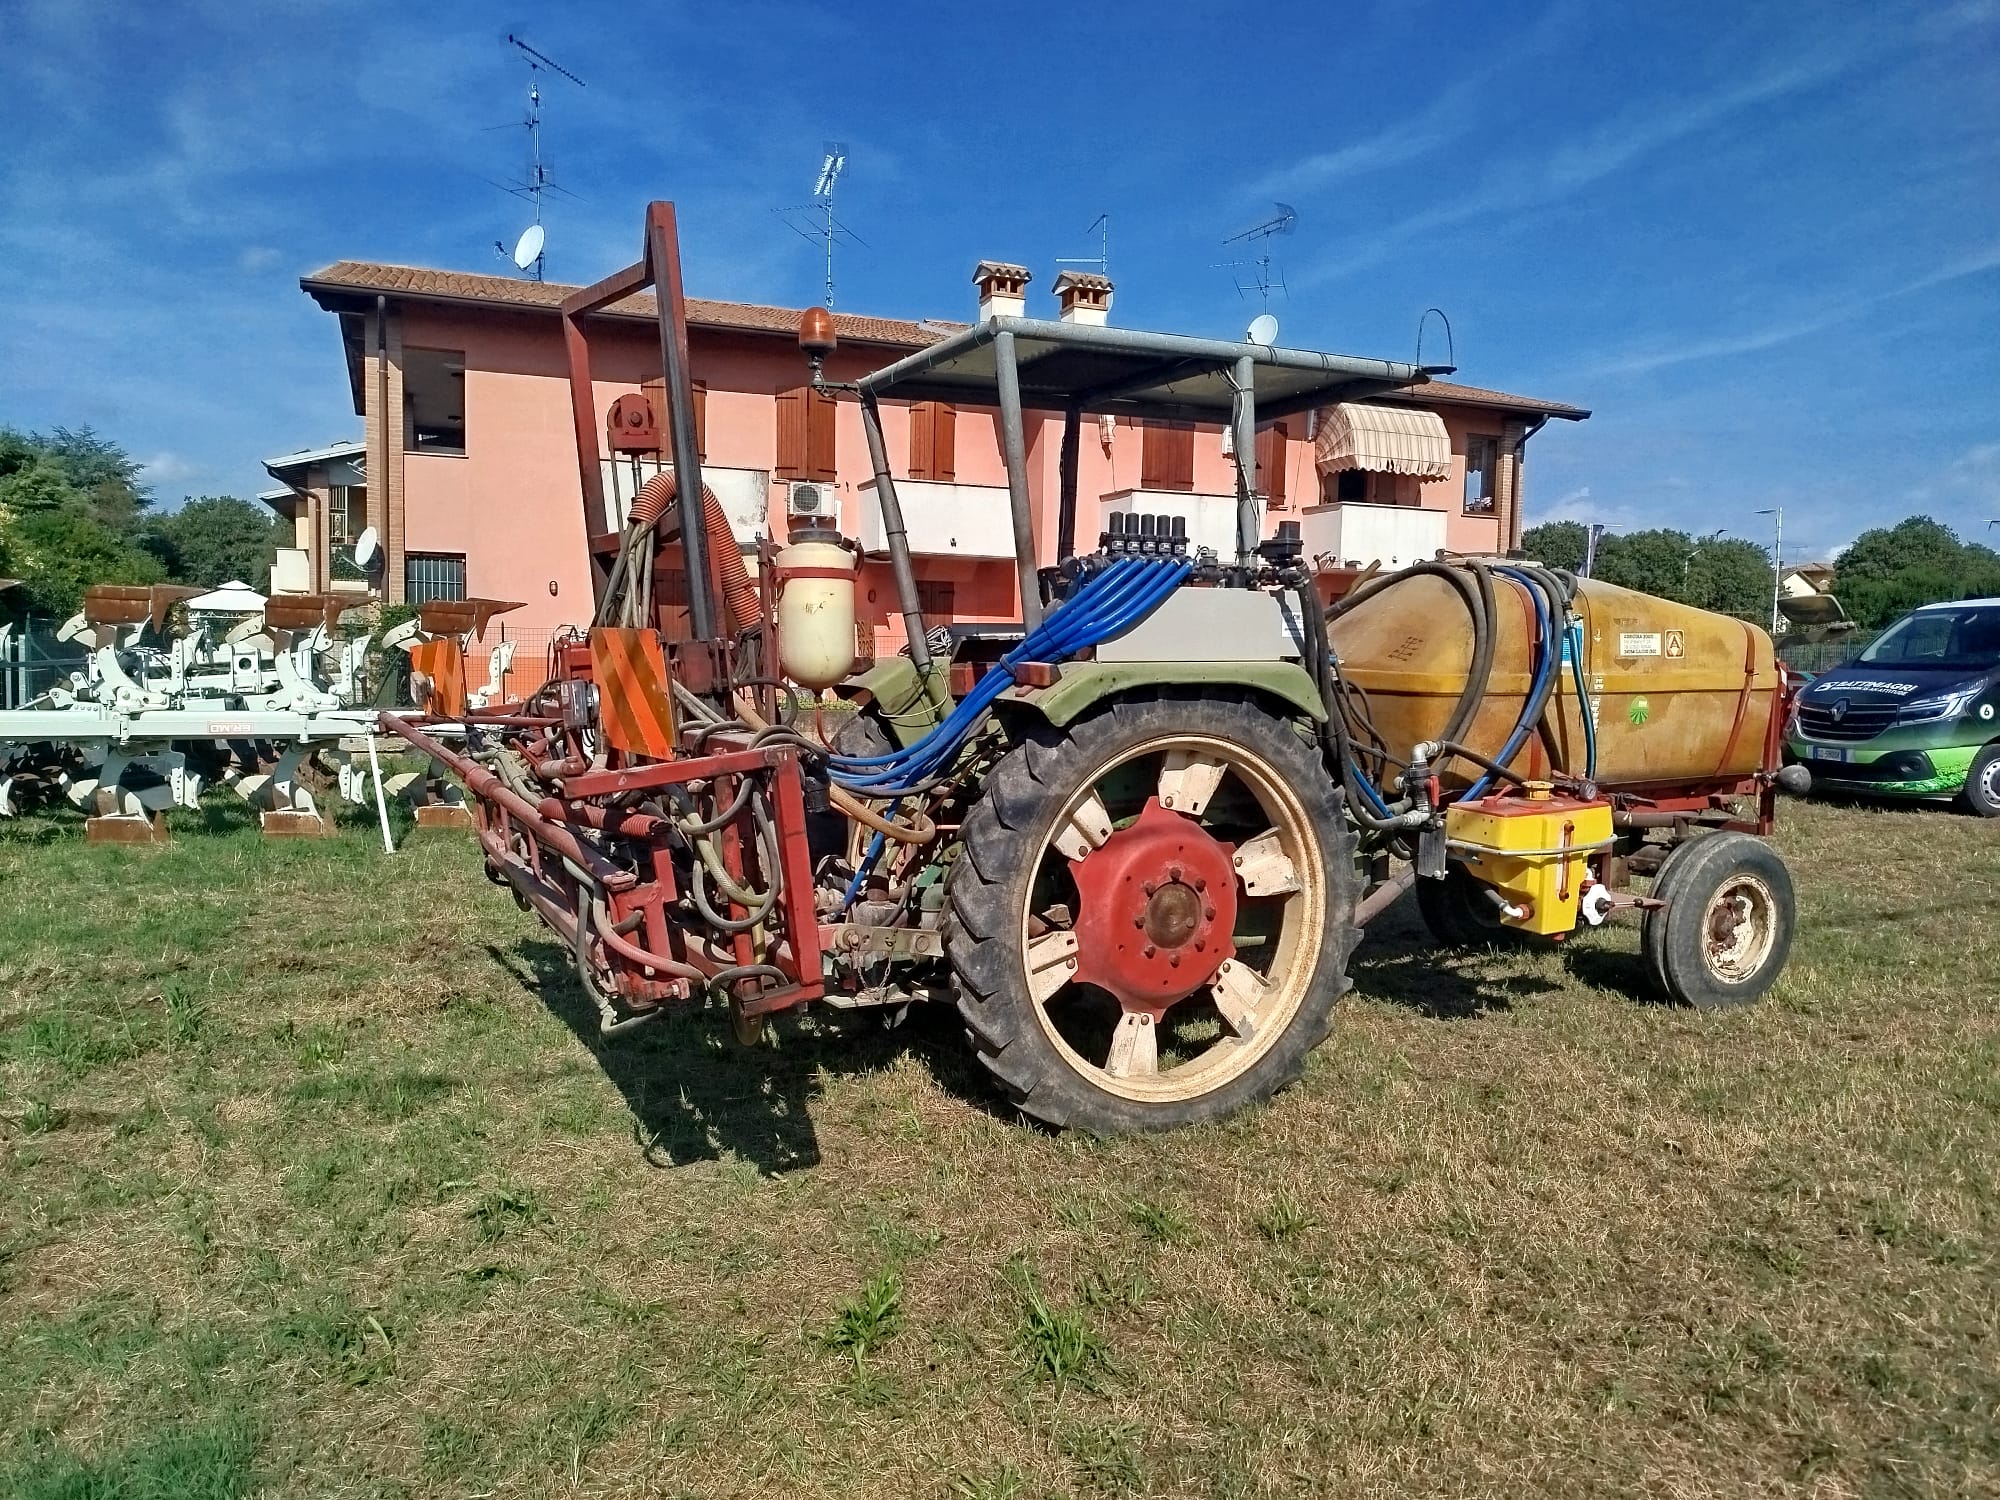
1108, 605
1547, 658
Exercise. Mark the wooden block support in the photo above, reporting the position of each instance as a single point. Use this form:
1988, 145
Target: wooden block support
127, 828
443, 815
288, 823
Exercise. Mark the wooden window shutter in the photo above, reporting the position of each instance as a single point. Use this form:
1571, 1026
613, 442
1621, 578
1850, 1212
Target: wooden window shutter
1166, 460
791, 418
656, 392
1271, 463
933, 440
820, 446
938, 599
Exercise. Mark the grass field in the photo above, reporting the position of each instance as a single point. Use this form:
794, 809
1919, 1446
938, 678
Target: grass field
315, 1180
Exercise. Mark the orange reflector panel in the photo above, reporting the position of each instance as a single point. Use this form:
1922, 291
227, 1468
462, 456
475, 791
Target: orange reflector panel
444, 664
633, 700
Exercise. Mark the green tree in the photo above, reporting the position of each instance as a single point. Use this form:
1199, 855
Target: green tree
67, 503
1893, 569
213, 539
1732, 577
1653, 562
1560, 544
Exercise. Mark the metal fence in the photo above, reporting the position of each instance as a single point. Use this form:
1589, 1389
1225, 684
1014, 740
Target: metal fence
32, 661
1824, 656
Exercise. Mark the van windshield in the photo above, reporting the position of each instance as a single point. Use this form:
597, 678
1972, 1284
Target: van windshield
1963, 639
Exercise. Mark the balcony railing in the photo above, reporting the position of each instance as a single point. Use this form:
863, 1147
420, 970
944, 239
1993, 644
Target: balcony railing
943, 520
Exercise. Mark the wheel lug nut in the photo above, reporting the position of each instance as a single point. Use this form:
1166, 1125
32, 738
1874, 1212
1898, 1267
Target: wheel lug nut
1208, 912
1148, 951
1173, 872
1174, 959
1139, 920
1200, 884
1149, 887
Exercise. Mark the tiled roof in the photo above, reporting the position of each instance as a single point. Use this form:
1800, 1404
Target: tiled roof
421, 282
1473, 395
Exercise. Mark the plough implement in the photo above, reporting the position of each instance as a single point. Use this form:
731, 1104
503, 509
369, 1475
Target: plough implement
154, 718
1134, 836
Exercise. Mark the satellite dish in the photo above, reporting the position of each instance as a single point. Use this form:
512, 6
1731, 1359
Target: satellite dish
1263, 330
529, 249
367, 550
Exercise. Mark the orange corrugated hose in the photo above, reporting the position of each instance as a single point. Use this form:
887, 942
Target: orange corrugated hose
732, 579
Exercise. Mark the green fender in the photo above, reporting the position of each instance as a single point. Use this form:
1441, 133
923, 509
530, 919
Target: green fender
1079, 685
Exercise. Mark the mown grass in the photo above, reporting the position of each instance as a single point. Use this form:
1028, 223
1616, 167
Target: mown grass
315, 1180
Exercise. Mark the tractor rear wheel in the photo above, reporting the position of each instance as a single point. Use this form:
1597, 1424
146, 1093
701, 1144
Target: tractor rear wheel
1151, 920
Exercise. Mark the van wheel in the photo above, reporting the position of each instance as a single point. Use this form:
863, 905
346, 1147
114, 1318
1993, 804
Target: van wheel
1982, 784
1725, 932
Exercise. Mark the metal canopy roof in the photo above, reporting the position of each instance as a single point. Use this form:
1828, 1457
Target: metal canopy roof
1123, 370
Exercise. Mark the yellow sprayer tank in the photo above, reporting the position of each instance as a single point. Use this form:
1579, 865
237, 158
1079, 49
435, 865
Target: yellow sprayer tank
1682, 697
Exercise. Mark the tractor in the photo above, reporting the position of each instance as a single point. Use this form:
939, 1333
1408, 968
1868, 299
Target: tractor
1134, 836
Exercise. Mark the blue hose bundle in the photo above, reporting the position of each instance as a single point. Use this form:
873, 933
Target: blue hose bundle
1108, 605
1548, 664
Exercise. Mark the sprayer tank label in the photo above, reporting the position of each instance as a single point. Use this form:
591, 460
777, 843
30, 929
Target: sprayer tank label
1639, 643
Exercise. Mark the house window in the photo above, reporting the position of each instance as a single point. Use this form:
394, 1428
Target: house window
1364, 487
346, 513
433, 575
1482, 457
933, 435
938, 599
1166, 456
805, 435
434, 401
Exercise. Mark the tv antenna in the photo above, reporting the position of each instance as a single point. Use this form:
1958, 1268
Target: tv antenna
1101, 227
528, 249
822, 226
1257, 238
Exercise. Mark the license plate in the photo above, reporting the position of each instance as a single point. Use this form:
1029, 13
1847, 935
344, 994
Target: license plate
1829, 752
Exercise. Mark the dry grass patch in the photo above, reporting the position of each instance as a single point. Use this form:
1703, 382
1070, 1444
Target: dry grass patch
315, 1179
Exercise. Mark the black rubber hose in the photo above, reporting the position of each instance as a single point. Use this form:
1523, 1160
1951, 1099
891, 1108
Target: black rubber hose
1474, 586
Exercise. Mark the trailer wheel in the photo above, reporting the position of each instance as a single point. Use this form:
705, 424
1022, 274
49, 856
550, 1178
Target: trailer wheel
1725, 932
1151, 921
1981, 794
1460, 914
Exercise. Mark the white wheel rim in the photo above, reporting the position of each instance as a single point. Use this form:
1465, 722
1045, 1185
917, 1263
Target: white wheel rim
1738, 928
1256, 994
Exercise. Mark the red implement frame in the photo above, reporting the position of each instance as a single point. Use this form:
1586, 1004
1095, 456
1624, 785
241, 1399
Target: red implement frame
670, 858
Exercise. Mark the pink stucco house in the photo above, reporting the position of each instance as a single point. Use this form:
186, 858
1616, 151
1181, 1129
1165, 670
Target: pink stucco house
472, 484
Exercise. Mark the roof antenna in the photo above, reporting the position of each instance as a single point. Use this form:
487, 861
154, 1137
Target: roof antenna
527, 251
1268, 277
1101, 227
824, 228
1450, 366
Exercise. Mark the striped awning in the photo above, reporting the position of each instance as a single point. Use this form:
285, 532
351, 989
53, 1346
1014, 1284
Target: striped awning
1384, 439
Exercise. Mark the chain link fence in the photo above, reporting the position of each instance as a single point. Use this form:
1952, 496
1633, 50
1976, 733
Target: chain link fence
32, 661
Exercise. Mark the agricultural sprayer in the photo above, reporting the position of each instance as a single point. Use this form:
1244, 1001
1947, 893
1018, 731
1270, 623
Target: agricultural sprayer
1134, 836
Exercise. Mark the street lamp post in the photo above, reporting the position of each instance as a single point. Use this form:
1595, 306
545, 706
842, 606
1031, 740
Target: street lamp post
1777, 562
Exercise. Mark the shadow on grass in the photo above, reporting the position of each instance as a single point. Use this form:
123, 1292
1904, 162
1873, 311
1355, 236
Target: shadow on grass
696, 1094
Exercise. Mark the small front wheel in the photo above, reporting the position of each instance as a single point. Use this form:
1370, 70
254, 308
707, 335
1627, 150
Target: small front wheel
1726, 929
1981, 795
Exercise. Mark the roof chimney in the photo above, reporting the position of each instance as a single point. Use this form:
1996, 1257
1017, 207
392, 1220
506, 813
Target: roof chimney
1084, 296
1003, 289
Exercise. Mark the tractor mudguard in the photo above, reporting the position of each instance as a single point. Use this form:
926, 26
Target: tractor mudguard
892, 684
1079, 685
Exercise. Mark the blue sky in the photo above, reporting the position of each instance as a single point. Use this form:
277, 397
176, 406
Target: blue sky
1760, 242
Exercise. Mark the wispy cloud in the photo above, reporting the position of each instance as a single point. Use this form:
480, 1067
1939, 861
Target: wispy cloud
1831, 315
1526, 184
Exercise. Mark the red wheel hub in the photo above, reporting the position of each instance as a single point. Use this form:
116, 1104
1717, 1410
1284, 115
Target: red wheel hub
1156, 909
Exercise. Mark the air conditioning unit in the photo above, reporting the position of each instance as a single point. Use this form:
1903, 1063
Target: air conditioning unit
808, 498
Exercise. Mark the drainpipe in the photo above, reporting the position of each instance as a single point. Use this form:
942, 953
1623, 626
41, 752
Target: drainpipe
1514, 528
378, 483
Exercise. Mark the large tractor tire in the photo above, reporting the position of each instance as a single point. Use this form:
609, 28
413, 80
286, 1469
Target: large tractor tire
1151, 920
1726, 929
